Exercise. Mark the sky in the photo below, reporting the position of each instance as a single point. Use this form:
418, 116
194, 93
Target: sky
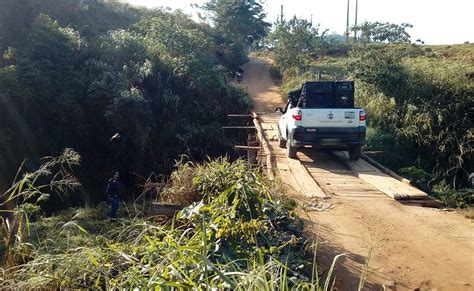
434, 21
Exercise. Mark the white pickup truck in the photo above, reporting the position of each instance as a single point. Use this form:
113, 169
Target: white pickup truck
322, 115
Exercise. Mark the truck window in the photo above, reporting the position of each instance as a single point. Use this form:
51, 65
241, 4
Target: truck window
343, 101
328, 94
318, 101
344, 95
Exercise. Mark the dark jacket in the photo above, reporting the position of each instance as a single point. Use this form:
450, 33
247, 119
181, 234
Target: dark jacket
113, 188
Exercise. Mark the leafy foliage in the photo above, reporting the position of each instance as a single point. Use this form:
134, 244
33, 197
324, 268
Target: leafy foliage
243, 235
383, 32
417, 176
240, 21
180, 188
458, 198
27, 194
89, 17
293, 43
75, 78
425, 106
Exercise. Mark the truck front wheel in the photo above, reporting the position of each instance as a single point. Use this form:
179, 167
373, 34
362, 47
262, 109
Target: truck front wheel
354, 153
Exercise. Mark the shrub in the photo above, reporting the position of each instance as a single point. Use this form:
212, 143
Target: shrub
276, 74
460, 198
423, 104
418, 177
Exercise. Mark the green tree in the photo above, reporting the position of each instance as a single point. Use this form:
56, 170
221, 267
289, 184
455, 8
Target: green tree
240, 21
293, 43
383, 32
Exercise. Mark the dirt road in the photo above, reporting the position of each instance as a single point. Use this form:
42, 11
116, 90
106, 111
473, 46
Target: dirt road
413, 248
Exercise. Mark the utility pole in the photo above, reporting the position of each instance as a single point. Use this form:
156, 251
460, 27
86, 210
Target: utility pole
347, 22
281, 14
355, 25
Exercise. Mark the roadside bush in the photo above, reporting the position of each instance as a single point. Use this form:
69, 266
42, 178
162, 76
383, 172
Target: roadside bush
276, 74
460, 198
418, 177
180, 188
423, 105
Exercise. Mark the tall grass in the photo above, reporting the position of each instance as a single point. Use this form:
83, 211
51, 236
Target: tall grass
29, 189
243, 235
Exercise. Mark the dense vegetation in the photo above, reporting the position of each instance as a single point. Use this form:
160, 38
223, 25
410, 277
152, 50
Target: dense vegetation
134, 89
243, 234
77, 73
419, 99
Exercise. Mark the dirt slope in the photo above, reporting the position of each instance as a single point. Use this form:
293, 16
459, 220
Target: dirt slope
257, 81
413, 248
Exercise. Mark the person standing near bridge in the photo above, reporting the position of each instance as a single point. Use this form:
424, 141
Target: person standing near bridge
113, 192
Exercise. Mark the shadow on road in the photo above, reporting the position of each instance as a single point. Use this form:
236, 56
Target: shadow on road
348, 269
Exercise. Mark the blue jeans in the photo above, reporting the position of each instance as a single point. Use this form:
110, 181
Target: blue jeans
114, 205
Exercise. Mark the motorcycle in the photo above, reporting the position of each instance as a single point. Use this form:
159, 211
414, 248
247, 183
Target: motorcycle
239, 76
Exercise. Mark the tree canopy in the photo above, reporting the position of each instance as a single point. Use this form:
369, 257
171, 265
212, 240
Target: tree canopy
383, 32
241, 21
293, 42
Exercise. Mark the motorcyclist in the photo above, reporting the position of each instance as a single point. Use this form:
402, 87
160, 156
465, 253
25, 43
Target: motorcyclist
239, 74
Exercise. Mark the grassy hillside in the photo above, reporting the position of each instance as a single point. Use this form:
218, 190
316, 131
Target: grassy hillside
73, 74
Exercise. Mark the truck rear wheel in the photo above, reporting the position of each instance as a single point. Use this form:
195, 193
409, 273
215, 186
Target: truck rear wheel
290, 150
354, 153
281, 141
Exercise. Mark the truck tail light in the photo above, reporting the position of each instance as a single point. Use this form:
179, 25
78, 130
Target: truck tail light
298, 115
362, 115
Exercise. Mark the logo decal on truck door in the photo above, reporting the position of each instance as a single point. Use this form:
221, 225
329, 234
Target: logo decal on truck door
330, 116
